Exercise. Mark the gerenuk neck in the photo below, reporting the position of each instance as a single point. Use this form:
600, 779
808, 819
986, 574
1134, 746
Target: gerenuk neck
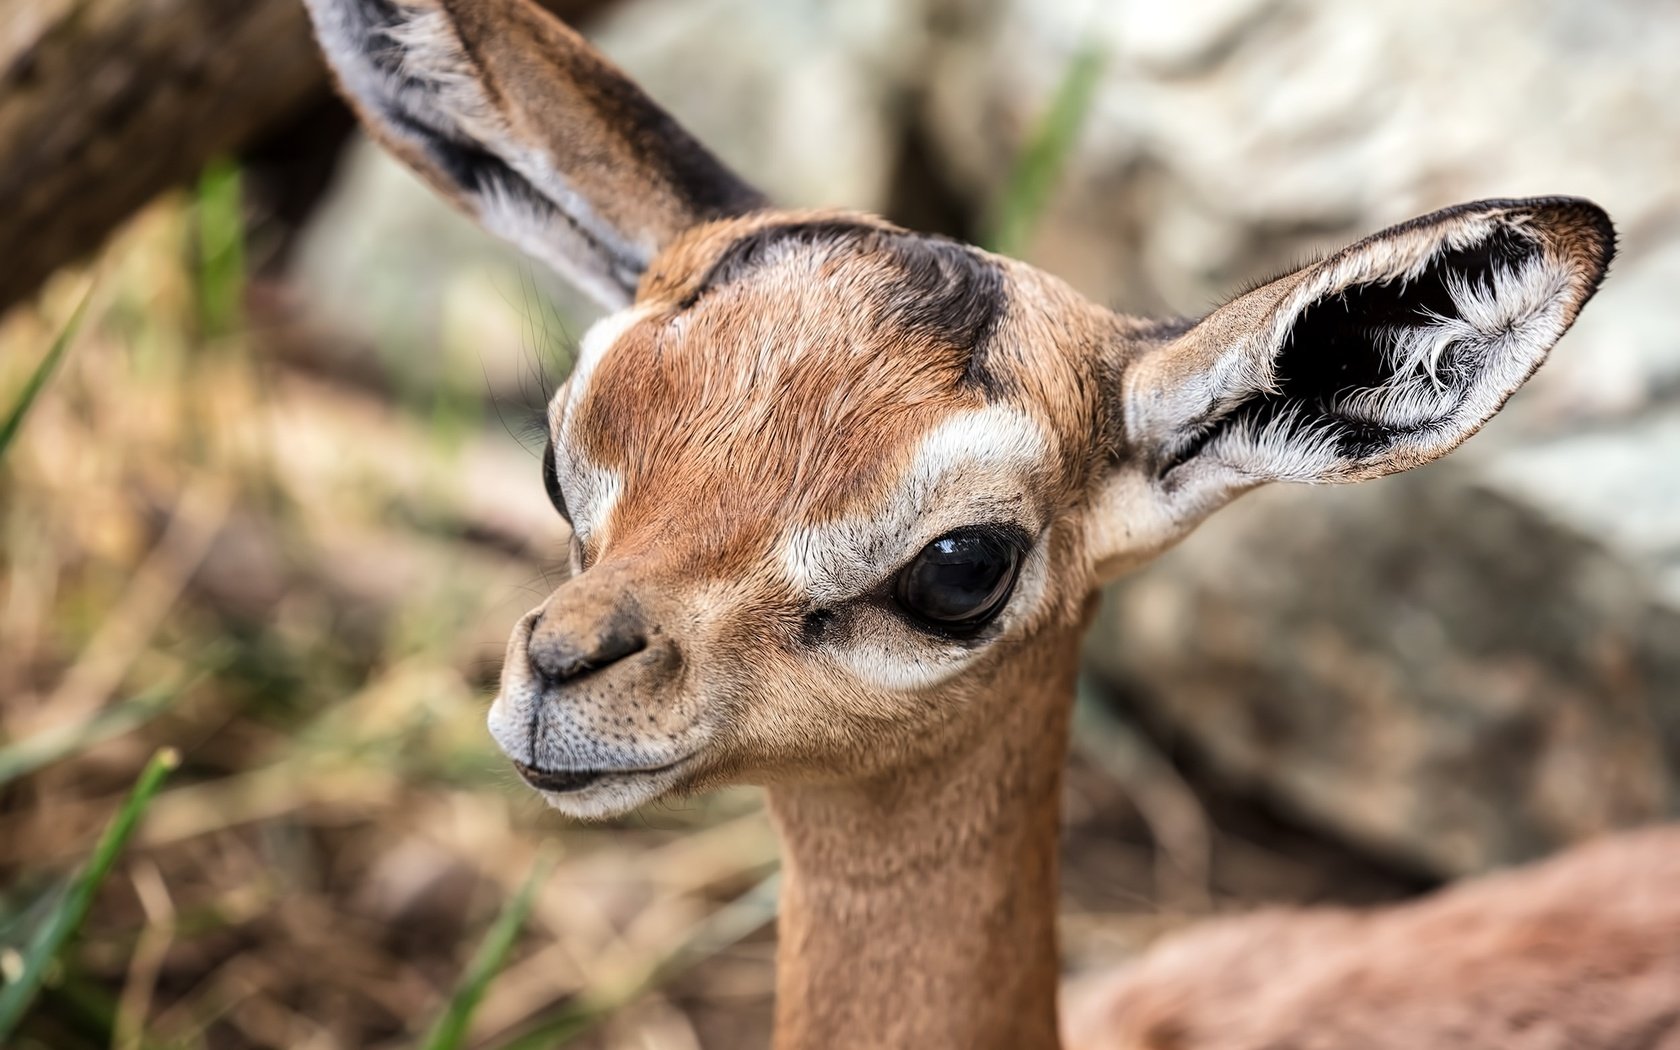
919, 910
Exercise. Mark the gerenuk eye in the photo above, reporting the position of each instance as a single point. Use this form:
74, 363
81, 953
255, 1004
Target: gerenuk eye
962, 580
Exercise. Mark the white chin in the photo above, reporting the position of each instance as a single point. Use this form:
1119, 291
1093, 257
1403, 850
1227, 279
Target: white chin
612, 795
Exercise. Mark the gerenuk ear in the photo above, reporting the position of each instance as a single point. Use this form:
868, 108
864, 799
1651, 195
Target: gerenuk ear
515, 117
1384, 356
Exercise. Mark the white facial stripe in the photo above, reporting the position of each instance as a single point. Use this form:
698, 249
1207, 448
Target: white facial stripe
969, 469
592, 349
598, 489
973, 468
591, 489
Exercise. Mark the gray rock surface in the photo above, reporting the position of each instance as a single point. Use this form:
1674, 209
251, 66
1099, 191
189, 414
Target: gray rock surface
1434, 666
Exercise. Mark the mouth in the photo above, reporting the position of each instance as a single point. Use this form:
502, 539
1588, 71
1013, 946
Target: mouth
569, 781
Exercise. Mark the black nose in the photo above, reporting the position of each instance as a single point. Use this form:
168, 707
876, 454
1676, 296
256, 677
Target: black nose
557, 655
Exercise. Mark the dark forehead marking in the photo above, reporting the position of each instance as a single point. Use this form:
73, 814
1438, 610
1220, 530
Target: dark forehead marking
937, 288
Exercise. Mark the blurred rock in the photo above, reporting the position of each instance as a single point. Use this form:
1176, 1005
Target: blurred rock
1230, 136
801, 96
1444, 667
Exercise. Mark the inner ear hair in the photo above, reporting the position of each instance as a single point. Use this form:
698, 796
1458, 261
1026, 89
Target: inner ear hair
1395, 349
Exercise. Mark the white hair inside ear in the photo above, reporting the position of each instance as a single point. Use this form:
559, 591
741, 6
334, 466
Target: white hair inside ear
1384, 356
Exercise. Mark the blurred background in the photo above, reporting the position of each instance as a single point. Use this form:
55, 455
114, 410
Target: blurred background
272, 500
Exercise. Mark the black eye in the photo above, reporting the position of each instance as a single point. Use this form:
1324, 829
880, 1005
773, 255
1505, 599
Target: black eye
961, 580
551, 483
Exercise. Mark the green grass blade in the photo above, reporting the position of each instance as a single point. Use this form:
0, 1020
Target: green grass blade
38, 379
450, 1030
723, 928
220, 285
67, 917
1039, 167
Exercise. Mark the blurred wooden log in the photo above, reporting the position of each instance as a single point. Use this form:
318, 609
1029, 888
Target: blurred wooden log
106, 103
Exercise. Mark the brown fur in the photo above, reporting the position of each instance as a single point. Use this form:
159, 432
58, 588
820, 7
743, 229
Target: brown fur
920, 846
828, 397
916, 905
558, 90
687, 390
496, 103
792, 392
1581, 951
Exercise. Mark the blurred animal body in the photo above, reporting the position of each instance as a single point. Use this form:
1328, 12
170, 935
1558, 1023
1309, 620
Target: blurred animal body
842, 496
1578, 951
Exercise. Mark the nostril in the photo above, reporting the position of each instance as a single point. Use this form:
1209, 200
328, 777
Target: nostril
617, 645
557, 660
